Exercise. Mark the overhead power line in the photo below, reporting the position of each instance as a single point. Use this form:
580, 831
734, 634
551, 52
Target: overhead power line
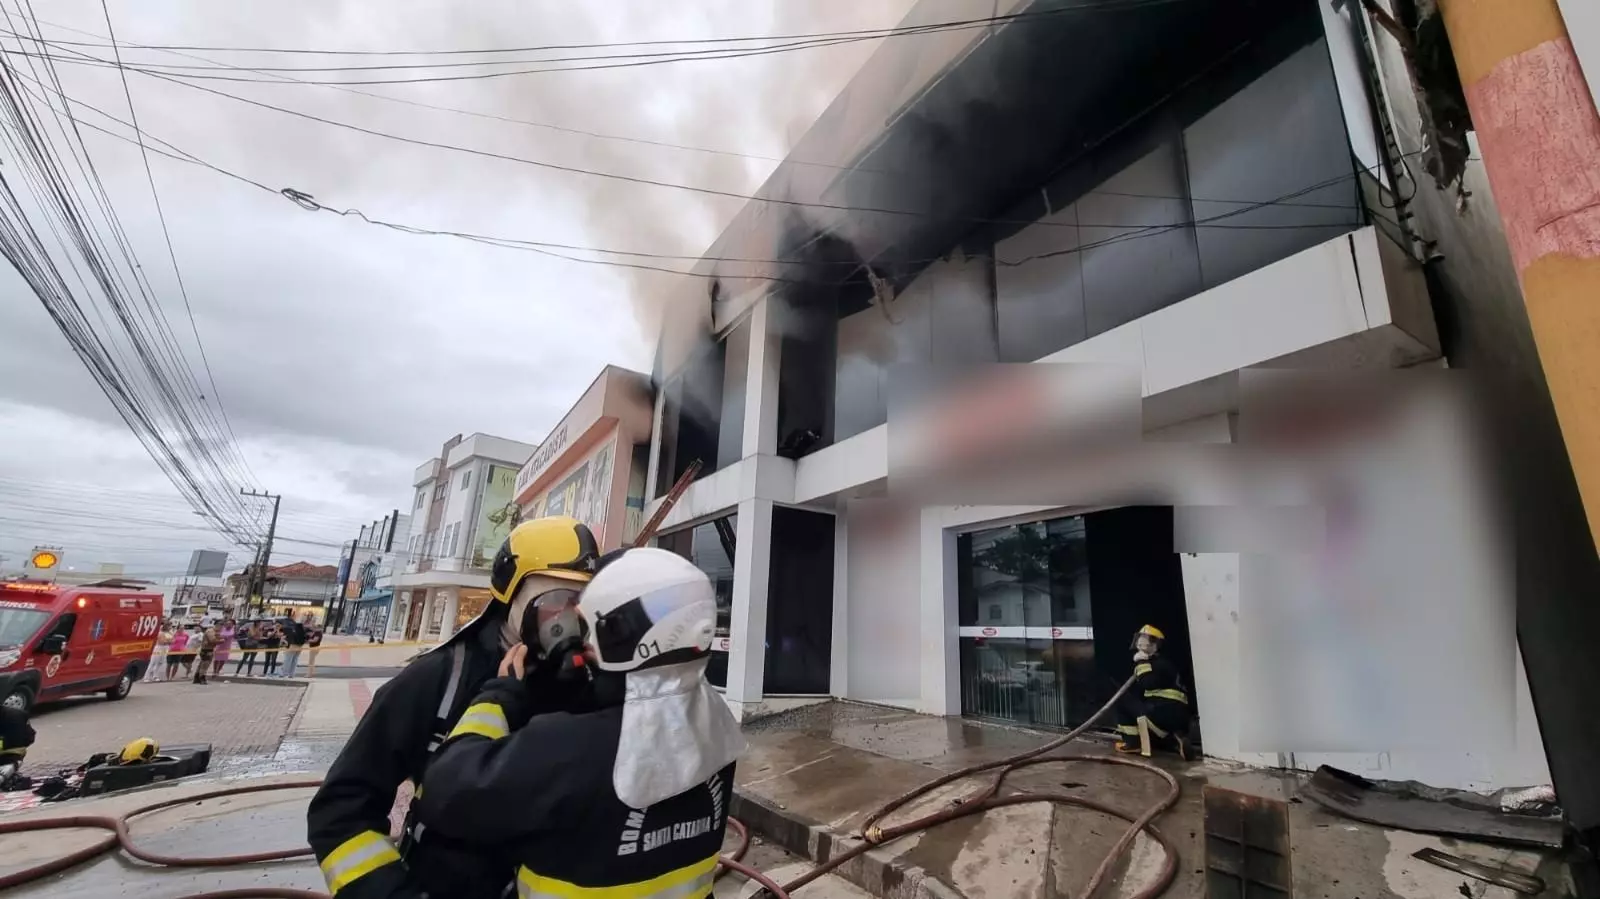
546, 248
861, 34
152, 396
166, 233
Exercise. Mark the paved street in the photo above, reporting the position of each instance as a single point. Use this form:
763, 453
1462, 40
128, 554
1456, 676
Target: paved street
238, 720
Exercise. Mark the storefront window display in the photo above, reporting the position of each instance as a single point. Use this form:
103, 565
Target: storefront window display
470, 605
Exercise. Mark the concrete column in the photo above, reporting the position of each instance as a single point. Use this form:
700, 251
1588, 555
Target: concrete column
747, 632
761, 383
1540, 136
839, 660
941, 658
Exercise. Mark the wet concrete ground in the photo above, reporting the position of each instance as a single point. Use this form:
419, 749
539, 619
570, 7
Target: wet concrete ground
827, 766
831, 764
244, 824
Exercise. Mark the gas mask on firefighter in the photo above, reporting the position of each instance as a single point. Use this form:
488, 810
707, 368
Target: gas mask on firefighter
552, 628
544, 617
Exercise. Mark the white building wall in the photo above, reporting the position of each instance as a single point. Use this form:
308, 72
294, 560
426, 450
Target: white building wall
883, 645
1351, 302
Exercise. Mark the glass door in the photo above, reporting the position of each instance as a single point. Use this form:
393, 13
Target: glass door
1026, 639
1007, 664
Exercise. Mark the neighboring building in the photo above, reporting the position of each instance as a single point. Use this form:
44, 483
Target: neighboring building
463, 499
298, 588
592, 465
194, 596
367, 576
1186, 190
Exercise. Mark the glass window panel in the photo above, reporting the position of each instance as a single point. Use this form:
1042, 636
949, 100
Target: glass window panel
1139, 263
1038, 296
1281, 140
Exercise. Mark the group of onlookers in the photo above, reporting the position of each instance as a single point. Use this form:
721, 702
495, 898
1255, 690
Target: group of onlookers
200, 649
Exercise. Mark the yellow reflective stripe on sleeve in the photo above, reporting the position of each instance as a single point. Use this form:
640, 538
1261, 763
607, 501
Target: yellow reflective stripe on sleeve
355, 858
689, 882
1174, 695
1142, 669
1128, 729
484, 719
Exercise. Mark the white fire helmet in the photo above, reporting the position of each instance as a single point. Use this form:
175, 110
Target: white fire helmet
649, 608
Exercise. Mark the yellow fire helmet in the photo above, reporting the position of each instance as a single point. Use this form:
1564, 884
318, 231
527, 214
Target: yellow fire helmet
141, 750
556, 546
1152, 631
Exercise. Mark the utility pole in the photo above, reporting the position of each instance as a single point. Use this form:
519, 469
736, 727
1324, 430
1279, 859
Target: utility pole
1540, 136
259, 581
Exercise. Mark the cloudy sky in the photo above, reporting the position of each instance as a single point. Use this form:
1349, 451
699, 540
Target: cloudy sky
344, 354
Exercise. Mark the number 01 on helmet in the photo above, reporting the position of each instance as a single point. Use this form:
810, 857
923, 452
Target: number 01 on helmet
649, 608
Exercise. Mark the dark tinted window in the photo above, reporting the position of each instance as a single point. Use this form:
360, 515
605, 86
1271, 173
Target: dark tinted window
1272, 143
1136, 261
800, 603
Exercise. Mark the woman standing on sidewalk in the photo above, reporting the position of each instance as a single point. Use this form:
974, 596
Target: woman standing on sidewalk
176, 652
272, 639
314, 646
225, 636
249, 642
158, 659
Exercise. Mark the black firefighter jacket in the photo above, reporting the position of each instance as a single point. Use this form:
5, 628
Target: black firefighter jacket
536, 796
348, 819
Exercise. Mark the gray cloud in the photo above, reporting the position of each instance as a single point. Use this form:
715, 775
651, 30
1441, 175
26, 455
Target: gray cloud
346, 353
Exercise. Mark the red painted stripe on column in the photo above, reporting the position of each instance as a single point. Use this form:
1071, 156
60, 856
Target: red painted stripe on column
1537, 125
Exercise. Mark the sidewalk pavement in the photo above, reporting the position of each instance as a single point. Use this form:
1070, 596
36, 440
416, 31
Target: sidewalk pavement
812, 775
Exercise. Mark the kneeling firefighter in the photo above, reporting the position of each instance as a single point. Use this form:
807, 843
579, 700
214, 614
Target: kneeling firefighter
1156, 711
348, 819
628, 797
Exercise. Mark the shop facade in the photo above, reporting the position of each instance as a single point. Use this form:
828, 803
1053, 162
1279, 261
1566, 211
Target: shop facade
464, 504
591, 466
840, 573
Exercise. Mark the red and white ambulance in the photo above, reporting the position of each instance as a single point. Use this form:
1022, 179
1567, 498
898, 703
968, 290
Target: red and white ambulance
58, 640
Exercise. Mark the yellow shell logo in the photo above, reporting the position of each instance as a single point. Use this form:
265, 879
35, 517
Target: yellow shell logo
44, 559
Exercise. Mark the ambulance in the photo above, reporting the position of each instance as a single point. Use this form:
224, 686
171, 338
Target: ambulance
58, 640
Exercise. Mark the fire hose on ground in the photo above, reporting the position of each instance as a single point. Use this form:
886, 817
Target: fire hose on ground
874, 832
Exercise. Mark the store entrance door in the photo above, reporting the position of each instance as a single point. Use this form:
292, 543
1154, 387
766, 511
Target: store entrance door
1026, 640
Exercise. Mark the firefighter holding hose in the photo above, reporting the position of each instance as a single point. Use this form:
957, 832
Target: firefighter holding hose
348, 819
1156, 711
627, 796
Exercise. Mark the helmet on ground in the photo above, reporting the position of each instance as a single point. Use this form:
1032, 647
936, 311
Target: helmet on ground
649, 607
141, 750
1156, 637
557, 546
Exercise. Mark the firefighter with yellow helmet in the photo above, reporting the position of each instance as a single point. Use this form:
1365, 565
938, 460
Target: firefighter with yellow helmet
542, 565
1155, 712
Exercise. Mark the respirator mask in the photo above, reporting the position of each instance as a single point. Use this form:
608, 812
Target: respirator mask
552, 628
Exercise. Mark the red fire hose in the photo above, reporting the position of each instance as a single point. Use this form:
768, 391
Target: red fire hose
874, 833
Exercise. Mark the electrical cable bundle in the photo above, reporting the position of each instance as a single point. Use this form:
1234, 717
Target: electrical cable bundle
65, 239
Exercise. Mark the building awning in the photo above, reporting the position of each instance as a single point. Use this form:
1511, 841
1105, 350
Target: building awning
375, 596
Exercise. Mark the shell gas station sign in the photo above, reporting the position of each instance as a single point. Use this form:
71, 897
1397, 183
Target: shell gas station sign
44, 558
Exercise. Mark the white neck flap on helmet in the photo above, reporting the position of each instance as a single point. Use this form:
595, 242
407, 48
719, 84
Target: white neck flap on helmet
651, 616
